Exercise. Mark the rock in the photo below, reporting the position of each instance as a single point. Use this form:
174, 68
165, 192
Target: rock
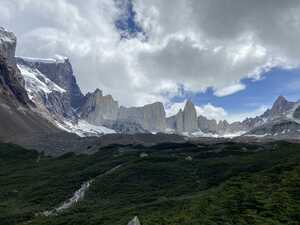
51, 85
134, 221
151, 117
176, 122
179, 122
207, 126
8, 42
189, 158
59, 70
222, 126
277, 129
99, 109
127, 127
17, 118
144, 155
296, 113
280, 106
11, 81
184, 121
190, 123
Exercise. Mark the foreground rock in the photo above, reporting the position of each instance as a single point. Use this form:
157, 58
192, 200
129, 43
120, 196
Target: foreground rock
134, 221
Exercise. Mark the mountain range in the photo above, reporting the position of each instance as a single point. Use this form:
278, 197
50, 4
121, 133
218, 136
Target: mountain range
41, 96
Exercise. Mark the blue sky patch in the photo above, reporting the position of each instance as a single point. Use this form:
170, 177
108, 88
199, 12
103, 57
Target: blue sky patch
126, 23
257, 94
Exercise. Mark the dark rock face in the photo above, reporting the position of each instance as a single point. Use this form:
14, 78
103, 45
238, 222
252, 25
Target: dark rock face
126, 127
281, 106
8, 42
297, 113
11, 85
11, 81
276, 129
61, 73
65, 94
17, 117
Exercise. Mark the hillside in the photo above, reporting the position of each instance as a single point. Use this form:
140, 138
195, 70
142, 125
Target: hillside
184, 183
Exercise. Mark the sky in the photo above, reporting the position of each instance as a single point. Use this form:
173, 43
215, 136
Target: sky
231, 58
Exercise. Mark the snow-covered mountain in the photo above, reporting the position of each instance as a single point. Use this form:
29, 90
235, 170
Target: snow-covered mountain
52, 86
49, 87
282, 120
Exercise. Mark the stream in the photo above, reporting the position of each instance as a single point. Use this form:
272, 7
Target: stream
78, 195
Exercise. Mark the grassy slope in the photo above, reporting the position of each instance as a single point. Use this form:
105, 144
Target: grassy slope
223, 184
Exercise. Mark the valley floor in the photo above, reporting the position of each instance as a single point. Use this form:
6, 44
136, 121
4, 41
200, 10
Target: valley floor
167, 184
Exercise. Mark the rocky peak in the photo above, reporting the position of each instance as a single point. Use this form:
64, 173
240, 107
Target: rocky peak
98, 93
190, 122
8, 42
11, 81
280, 106
185, 120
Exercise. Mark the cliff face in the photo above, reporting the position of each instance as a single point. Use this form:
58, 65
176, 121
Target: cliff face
52, 86
184, 121
151, 117
280, 106
11, 81
207, 126
190, 123
62, 74
8, 42
17, 117
99, 109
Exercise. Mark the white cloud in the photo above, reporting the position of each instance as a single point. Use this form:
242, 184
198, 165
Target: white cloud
210, 43
229, 90
212, 112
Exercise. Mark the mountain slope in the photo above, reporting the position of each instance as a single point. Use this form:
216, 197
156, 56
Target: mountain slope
17, 117
224, 183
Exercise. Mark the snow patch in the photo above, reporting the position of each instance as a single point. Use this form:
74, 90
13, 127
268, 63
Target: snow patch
290, 114
200, 133
84, 129
6, 36
55, 59
36, 82
258, 135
